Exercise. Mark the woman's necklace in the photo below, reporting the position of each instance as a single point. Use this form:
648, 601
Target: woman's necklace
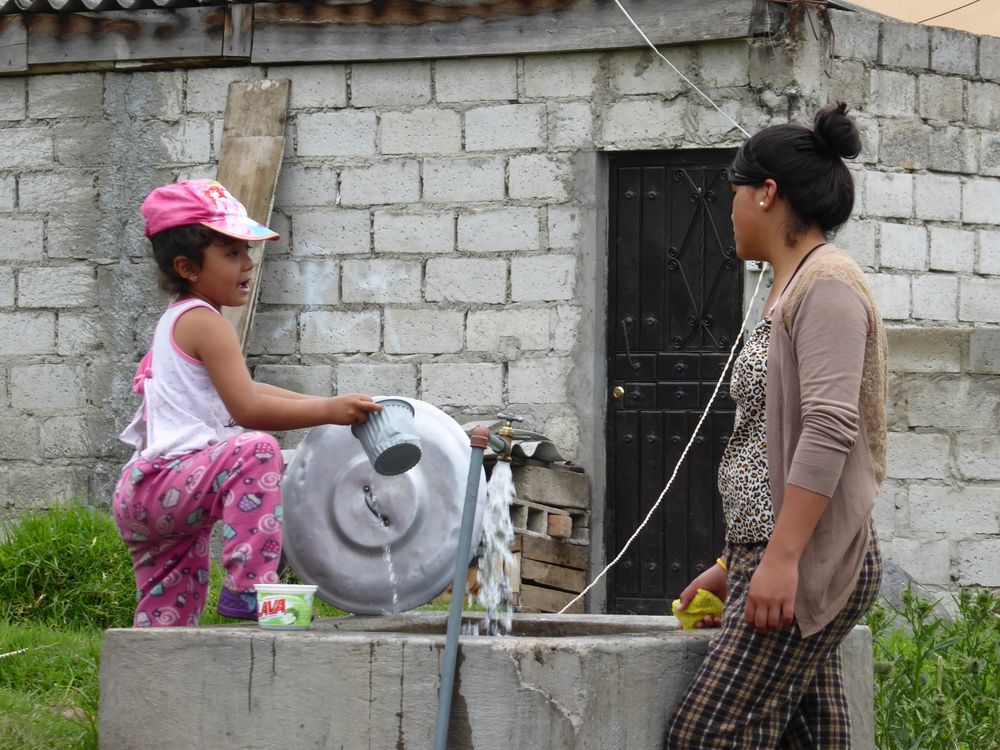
791, 278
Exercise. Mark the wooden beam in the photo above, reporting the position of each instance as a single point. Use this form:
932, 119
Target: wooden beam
126, 35
238, 39
13, 44
253, 143
335, 30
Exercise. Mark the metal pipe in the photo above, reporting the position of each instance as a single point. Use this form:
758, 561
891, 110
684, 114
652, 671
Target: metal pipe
479, 440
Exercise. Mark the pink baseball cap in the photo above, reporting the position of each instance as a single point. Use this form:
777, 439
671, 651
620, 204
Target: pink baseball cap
204, 202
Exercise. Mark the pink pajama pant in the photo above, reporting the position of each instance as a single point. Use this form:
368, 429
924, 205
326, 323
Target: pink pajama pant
166, 508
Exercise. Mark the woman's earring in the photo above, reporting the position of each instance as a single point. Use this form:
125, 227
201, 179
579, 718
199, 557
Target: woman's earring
762, 203
194, 279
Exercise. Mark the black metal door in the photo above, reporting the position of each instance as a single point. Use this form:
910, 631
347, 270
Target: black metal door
675, 295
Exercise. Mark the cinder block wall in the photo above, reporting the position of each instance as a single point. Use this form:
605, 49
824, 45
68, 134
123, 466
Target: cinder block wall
443, 237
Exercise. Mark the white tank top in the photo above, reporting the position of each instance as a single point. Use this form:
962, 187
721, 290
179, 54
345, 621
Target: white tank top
181, 410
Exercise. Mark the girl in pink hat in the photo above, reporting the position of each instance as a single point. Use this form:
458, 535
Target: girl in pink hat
200, 456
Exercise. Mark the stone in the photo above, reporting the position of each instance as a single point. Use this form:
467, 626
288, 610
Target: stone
457, 384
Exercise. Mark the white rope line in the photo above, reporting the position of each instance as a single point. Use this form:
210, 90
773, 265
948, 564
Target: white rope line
684, 77
697, 427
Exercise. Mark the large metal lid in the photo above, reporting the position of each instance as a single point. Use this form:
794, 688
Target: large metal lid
377, 544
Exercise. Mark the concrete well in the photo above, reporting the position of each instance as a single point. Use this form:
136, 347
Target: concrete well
558, 682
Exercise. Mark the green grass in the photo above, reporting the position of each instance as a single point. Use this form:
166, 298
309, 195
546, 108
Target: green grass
937, 681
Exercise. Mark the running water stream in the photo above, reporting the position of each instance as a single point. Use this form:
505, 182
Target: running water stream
382, 518
498, 534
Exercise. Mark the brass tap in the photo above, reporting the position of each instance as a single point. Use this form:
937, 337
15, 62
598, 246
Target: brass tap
506, 434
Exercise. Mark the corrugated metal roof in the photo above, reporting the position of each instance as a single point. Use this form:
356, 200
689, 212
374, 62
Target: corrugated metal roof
69, 6
977, 16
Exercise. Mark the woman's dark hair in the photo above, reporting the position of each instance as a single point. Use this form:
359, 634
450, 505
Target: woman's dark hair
808, 166
187, 241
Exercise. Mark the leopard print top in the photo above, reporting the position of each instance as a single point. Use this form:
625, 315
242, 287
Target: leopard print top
743, 475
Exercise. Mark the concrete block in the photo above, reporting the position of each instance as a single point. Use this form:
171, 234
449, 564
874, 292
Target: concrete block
979, 563
340, 331
300, 282
890, 504
71, 95
954, 51
868, 129
889, 194
849, 83
344, 133
457, 384
390, 83
570, 125
566, 328
927, 562
856, 35
508, 332
314, 86
857, 238
892, 93
332, 232
904, 45
961, 511
984, 105
377, 379
423, 331
562, 75
538, 381
13, 104
989, 251
60, 286
480, 281
381, 183
724, 64
312, 380
274, 333
31, 488
208, 88
19, 440
48, 387
954, 150
952, 249
57, 190
21, 239
424, 232
150, 95
914, 455
421, 131
381, 280
299, 185
6, 287
69, 437
499, 230
938, 197
27, 333
978, 455
902, 246
984, 351
989, 57
953, 402
904, 144
642, 72
941, 98
463, 180
935, 296
933, 350
565, 230
979, 300
989, 154
643, 121
26, 147
542, 278
539, 176
892, 293
505, 127
554, 487
8, 191
476, 79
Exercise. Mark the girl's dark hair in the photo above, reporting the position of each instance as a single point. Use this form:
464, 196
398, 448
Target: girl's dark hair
808, 166
187, 241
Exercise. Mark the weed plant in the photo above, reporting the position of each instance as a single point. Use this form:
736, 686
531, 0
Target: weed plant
937, 681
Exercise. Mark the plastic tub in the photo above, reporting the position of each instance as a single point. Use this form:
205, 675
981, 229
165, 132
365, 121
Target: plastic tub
284, 606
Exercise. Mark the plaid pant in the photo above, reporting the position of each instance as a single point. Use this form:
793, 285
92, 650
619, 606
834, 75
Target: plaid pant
772, 690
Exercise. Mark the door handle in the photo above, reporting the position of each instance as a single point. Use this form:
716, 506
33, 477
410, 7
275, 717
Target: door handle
618, 393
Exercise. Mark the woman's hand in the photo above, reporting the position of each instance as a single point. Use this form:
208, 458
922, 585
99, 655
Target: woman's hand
352, 408
771, 596
714, 580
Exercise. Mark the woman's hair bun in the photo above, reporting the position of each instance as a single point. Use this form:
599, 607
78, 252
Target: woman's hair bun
835, 132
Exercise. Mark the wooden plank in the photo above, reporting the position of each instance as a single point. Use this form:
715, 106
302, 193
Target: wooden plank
237, 40
249, 165
538, 599
558, 553
553, 576
335, 30
125, 35
13, 44
551, 486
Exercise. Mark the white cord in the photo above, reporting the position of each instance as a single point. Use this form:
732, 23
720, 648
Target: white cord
697, 427
684, 77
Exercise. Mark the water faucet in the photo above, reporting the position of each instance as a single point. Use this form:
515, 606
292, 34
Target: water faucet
503, 441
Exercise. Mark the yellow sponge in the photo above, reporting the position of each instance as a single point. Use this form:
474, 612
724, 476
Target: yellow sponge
704, 603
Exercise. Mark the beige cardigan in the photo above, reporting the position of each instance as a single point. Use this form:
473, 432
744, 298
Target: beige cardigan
827, 387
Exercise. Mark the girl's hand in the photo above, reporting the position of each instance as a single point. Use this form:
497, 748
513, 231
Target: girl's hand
771, 596
352, 408
714, 580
